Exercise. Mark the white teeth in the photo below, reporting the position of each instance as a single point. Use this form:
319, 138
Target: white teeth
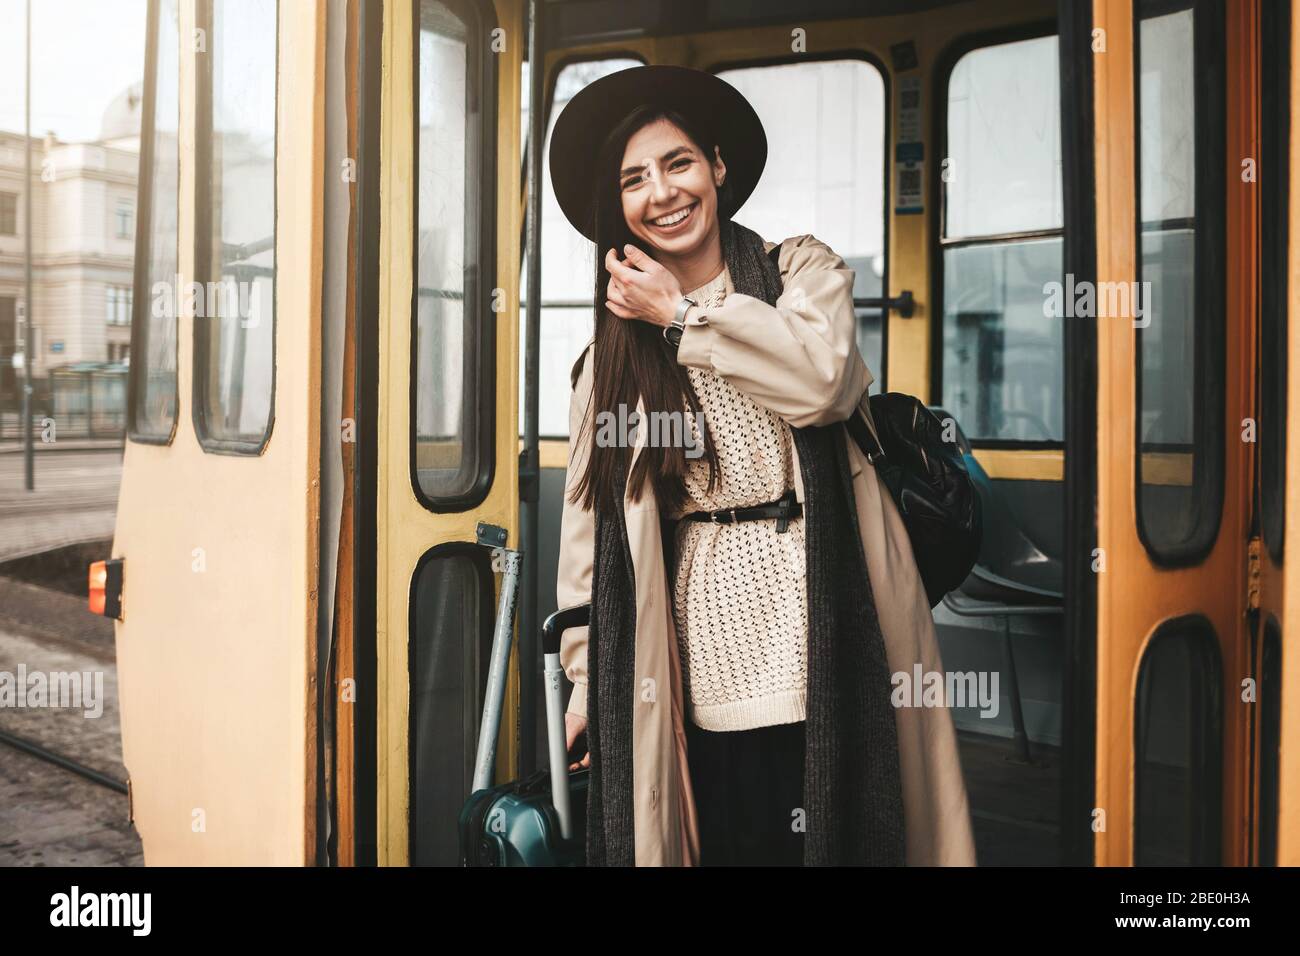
672, 218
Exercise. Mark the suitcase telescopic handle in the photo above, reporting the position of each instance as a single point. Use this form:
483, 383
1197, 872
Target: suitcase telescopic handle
554, 627
552, 630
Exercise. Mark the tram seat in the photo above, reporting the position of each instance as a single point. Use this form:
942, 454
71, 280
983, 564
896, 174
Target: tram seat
1013, 577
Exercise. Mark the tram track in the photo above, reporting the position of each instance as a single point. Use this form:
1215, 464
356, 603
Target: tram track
66, 763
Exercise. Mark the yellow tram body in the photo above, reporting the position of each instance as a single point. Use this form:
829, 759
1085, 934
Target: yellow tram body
239, 568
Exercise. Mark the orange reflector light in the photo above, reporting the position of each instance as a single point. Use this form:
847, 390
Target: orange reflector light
105, 588
98, 578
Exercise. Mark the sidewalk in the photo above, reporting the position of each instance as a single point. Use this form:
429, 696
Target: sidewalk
14, 446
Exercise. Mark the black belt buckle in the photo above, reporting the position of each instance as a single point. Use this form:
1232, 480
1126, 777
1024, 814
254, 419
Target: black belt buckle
783, 512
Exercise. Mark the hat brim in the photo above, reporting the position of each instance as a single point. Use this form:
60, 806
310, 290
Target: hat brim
706, 100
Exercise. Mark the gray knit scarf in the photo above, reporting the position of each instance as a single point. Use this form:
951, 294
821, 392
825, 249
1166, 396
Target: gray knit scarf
852, 790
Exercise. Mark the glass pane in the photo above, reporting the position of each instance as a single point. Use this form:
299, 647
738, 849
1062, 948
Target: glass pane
1004, 141
1167, 101
1270, 741
1171, 345
1003, 358
155, 408
825, 173
450, 455
450, 650
568, 268
1275, 185
238, 307
1178, 732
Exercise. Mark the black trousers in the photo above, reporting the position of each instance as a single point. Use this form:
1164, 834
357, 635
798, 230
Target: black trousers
748, 787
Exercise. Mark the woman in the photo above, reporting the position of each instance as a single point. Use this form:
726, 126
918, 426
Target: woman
749, 602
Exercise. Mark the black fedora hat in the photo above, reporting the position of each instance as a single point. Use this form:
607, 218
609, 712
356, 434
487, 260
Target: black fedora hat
706, 101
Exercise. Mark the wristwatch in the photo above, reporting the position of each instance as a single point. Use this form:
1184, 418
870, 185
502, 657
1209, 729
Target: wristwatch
673, 332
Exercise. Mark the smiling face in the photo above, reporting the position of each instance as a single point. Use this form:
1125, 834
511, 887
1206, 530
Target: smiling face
669, 190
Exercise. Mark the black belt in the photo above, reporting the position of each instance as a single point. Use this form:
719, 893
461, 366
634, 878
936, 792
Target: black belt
783, 509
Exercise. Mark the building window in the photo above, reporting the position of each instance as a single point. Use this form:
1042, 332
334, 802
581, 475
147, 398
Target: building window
117, 303
123, 220
8, 214
8, 345
1003, 362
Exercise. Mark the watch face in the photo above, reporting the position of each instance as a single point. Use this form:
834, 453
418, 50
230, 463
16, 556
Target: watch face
674, 335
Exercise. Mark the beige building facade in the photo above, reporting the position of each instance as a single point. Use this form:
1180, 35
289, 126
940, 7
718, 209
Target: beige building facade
83, 247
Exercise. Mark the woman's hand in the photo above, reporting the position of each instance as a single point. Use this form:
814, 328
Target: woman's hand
573, 726
640, 288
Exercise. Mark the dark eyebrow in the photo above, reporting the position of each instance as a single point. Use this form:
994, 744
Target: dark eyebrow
663, 159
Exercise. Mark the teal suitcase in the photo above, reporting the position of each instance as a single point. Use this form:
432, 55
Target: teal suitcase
522, 823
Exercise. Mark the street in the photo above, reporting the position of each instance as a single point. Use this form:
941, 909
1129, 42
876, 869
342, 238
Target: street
75, 500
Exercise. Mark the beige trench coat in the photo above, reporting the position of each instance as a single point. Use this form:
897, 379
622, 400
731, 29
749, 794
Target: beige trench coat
800, 359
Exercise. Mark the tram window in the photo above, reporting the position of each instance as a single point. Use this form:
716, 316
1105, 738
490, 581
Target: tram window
153, 389
1275, 133
234, 325
1180, 334
1270, 738
1179, 729
1002, 365
825, 171
568, 267
453, 323
451, 645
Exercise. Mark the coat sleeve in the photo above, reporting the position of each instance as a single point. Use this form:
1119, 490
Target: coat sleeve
577, 545
800, 357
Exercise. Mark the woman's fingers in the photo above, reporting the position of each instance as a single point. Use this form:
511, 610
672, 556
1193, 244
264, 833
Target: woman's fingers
639, 260
617, 301
620, 271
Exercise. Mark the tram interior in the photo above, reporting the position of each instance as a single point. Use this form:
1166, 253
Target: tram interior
842, 171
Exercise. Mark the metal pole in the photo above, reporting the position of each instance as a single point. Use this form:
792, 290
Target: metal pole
559, 757
529, 472
29, 330
498, 669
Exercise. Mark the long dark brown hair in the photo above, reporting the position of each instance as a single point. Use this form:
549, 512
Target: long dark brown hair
632, 359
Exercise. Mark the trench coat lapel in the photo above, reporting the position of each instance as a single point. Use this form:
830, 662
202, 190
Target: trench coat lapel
664, 818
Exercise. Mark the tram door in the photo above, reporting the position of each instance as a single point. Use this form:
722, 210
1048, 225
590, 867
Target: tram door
447, 445
219, 609
1278, 591
1193, 574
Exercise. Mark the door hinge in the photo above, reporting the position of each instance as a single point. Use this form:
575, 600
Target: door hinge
1253, 558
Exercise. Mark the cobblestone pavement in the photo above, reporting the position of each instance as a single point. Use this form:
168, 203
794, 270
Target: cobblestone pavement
50, 816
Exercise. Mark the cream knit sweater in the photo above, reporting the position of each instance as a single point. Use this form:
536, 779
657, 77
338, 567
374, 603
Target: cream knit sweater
740, 603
